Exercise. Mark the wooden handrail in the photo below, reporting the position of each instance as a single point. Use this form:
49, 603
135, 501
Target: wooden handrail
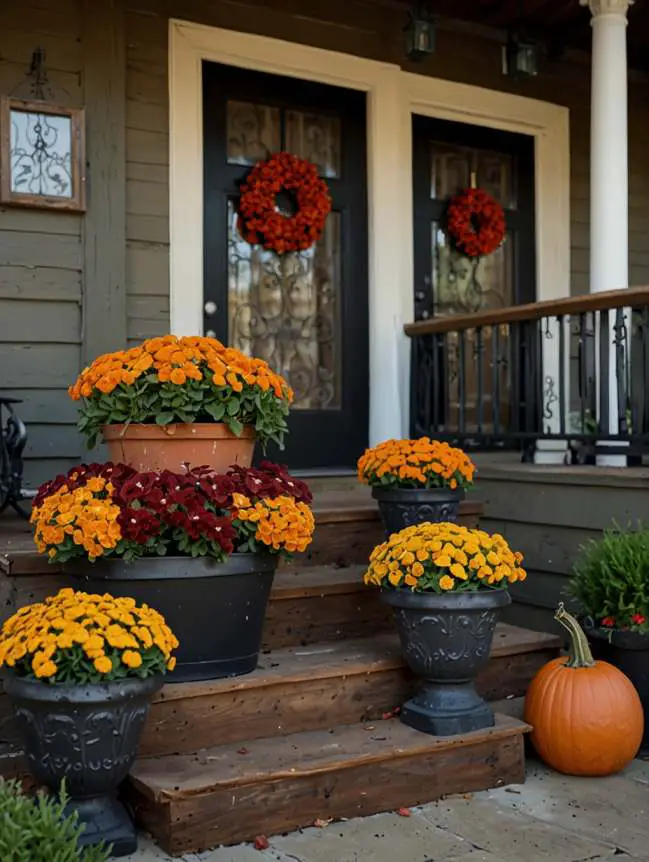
628, 298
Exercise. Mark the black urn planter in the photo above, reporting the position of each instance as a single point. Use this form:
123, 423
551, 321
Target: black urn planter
629, 652
404, 507
446, 640
216, 610
87, 735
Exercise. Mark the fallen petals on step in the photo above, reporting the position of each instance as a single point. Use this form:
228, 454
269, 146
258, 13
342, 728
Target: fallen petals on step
394, 712
243, 750
404, 812
262, 843
369, 727
321, 823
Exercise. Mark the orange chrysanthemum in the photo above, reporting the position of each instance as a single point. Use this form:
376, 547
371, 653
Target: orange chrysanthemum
280, 523
85, 516
422, 463
184, 379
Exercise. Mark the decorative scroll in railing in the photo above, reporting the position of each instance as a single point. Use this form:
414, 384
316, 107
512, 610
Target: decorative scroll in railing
572, 371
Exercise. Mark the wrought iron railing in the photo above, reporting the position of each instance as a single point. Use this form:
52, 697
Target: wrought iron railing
13, 439
574, 371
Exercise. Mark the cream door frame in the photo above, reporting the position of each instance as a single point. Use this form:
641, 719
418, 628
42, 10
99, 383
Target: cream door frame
392, 96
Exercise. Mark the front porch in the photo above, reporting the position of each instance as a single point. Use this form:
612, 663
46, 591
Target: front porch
536, 358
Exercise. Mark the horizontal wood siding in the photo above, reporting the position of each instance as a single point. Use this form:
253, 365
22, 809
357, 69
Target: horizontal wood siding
549, 515
147, 176
41, 253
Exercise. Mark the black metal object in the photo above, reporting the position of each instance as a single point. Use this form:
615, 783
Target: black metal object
13, 439
277, 318
216, 610
404, 507
446, 640
628, 651
87, 735
511, 379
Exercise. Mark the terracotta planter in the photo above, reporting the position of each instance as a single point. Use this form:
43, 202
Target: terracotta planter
171, 447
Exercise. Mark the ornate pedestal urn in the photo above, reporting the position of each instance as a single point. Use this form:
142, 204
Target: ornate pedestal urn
87, 736
405, 507
446, 640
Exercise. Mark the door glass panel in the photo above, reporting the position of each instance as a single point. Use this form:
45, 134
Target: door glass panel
286, 309
463, 285
454, 168
315, 137
253, 132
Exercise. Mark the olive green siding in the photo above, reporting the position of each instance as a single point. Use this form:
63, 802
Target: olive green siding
72, 286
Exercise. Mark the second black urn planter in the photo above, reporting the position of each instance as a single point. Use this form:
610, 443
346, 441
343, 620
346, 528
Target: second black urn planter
88, 736
405, 507
446, 640
629, 652
216, 610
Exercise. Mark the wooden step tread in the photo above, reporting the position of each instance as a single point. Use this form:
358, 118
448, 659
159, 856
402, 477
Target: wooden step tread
308, 688
301, 754
345, 658
227, 794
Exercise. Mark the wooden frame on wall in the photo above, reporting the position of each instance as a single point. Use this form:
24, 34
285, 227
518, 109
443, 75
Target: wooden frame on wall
42, 155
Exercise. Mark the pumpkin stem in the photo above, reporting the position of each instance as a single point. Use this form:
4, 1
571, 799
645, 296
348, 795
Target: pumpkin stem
580, 654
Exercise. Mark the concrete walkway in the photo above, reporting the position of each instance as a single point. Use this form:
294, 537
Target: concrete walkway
550, 817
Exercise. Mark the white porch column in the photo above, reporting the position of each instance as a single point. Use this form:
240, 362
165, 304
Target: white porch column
609, 192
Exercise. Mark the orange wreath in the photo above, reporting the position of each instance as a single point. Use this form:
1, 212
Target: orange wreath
476, 222
261, 223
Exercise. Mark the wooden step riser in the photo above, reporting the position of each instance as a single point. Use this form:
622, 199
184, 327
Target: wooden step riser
313, 704
232, 815
318, 618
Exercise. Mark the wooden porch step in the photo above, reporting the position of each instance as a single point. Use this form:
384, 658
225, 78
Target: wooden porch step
222, 796
348, 526
318, 686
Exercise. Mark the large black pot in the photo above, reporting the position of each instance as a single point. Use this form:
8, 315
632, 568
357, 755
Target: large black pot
446, 640
405, 507
216, 610
629, 652
87, 735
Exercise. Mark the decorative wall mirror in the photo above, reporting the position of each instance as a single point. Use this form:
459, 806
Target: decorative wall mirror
42, 155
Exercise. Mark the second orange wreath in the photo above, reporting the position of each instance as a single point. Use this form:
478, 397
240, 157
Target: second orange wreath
476, 222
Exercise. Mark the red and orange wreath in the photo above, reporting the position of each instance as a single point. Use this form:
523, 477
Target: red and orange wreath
261, 222
476, 222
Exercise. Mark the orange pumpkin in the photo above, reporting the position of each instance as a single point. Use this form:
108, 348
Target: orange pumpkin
586, 716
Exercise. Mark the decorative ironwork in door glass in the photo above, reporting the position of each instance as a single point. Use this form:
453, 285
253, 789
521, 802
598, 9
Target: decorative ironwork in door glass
286, 309
254, 132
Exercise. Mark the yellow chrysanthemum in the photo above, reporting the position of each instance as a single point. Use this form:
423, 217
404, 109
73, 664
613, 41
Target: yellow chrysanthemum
456, 553
85, 633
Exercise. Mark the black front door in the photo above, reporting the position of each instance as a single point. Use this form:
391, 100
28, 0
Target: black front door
305, 313
449, 157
